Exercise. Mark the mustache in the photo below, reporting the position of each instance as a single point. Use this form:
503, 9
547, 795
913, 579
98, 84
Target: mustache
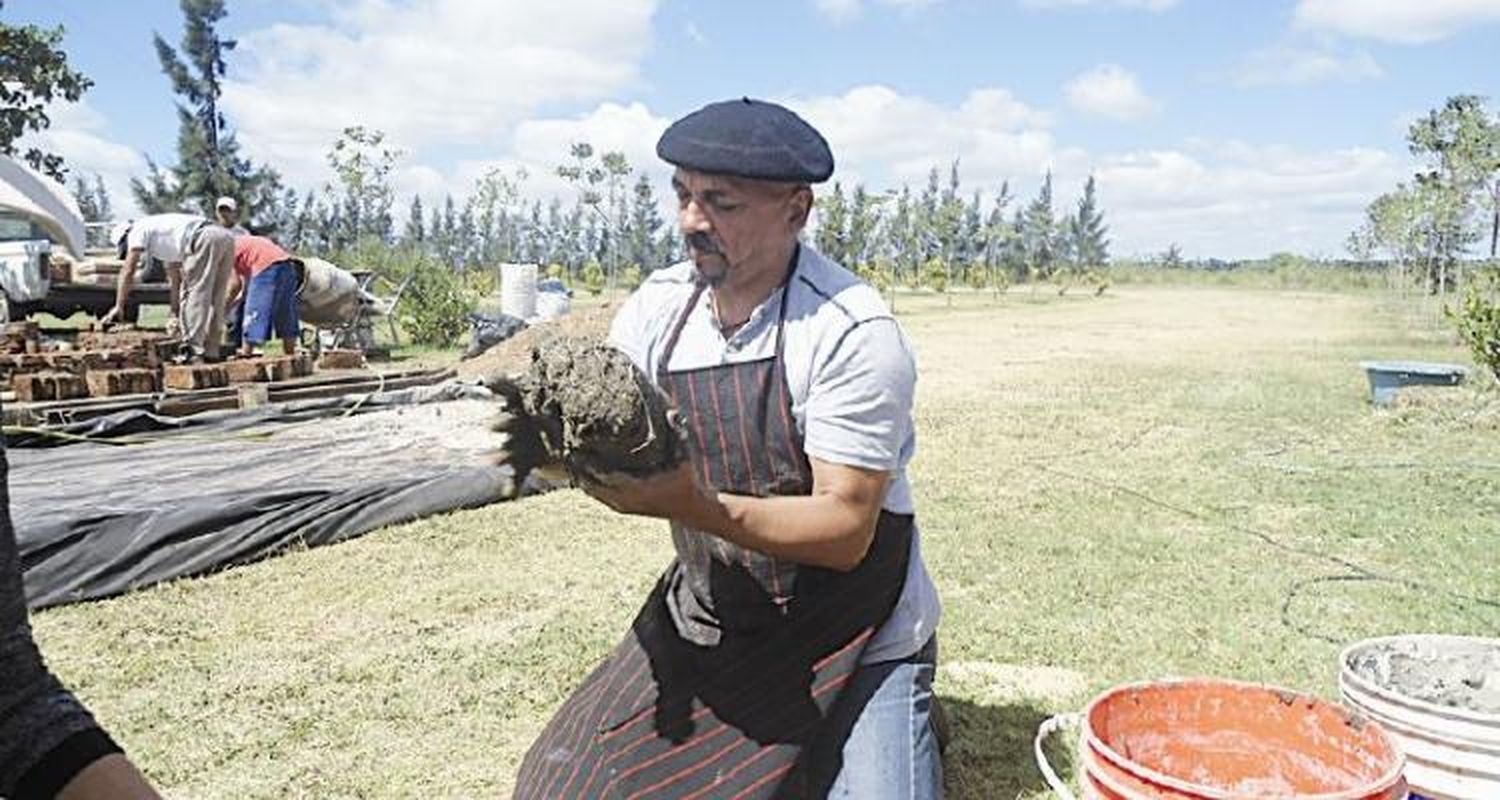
703, 243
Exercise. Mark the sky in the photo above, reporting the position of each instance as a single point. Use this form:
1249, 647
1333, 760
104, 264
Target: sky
1232, 128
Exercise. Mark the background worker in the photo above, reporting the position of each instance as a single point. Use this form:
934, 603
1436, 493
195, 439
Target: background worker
263, 295
200, 259
227, 214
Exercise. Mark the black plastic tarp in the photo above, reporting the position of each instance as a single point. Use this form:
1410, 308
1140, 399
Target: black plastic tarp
191, 496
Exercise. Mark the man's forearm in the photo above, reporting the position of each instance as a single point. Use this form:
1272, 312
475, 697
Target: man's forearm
822, 530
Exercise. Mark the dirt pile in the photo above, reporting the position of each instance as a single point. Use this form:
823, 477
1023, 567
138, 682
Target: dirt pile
584, 410
513, 356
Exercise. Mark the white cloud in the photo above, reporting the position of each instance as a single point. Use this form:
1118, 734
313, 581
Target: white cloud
879, 135
1286, 65
1403, 21
1109, 90
537, 147
843, 10
430, 73
1204, 200
79, 134
1147, 5
1198, 194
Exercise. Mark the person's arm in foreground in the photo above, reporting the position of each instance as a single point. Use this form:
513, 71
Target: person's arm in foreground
832, 527
50, 746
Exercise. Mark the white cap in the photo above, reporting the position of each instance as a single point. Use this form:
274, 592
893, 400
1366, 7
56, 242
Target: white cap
226, 202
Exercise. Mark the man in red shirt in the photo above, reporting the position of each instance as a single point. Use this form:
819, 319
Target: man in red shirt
266, 277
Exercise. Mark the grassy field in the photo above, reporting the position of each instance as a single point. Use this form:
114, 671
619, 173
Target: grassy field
1111, 489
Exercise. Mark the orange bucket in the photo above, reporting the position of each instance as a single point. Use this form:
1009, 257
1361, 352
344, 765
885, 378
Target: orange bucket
1206, 739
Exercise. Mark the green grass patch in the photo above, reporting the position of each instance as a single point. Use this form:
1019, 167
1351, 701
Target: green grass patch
1097, 480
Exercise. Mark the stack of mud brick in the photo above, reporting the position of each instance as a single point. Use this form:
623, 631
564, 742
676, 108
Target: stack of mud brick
116, 363
105, 365
243, 370
342, 359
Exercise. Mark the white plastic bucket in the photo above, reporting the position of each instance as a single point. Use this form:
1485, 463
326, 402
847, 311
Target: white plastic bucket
518, 290
1453, 752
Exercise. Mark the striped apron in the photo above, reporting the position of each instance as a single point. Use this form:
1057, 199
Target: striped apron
725, 684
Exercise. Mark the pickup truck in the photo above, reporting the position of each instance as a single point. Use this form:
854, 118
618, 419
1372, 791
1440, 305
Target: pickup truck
32, 282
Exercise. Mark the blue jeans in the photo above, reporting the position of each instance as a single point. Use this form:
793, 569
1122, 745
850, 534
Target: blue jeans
892, 751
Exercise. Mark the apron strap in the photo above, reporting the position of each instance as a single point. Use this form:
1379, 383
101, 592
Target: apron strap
698, 287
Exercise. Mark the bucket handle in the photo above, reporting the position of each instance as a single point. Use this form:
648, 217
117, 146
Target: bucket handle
1046, 730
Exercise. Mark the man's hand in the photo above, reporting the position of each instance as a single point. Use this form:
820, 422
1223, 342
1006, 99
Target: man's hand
673, 495
174, 327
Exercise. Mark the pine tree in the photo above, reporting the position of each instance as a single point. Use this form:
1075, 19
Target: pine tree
971, 245
416, 230
644, 223
1039, 233
447, 239
997, 232
303, 235
832, 238
1013, 254
209, 164
1090, 245
435, 232
864, 226
574, 248
465, 250
901, 238
925, 220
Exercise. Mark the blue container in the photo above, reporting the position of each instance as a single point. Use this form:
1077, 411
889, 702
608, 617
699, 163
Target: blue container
1387, 377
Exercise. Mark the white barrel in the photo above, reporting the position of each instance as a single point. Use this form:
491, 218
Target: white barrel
1452, 751
518, 290
329, 295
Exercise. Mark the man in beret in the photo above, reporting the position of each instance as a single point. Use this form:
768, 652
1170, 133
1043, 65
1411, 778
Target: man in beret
789, 649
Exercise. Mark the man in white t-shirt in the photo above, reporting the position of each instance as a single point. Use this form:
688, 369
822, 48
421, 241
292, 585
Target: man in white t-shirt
789, 649
200, 260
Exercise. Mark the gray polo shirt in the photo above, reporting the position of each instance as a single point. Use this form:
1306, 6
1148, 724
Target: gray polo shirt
851, 375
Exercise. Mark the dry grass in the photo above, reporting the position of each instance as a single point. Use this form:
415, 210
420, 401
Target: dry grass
419, 661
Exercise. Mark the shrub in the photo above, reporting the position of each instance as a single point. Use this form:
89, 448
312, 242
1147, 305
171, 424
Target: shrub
874, 274
483, 282
935, 275
630, 277
1478, 318
593, 277
978, 276
435, 308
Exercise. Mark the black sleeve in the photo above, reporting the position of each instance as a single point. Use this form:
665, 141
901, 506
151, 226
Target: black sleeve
46, 735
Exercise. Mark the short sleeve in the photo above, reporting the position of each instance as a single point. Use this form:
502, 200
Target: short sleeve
628, 331
859, 402
139, 238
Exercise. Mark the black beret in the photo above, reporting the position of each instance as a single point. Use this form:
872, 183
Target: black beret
750, 139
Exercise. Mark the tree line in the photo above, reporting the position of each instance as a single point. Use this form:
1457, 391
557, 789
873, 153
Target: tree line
610, 231
1430, 225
